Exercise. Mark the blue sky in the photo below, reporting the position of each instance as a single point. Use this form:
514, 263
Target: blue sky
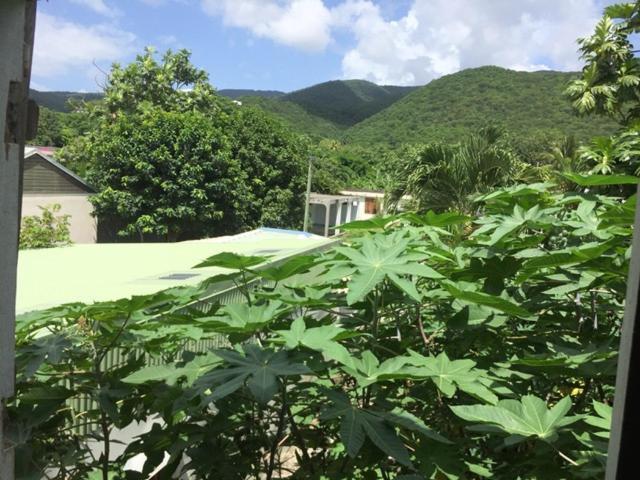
291, 44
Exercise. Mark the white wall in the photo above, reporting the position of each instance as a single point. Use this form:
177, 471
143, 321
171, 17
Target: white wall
83, 227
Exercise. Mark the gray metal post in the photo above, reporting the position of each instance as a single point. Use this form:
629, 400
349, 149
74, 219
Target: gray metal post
625, 424
305, 224
17, 24
327, 220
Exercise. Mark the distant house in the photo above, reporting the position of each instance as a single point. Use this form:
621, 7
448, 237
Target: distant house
373, 203
46, 182
328, 212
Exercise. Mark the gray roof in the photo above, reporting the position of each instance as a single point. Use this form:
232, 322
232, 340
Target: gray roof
31, 151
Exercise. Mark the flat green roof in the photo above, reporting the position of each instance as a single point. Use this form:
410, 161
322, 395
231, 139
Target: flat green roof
108, 271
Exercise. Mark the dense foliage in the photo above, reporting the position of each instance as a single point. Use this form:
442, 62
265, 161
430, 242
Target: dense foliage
57, 129
456, 105
442, 176
173, 160
296, 117
46, 230
346, 102
424, 346
61, 101
610, 86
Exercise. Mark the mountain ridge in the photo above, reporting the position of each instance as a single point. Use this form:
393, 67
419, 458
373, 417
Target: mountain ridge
445, 109
455, 105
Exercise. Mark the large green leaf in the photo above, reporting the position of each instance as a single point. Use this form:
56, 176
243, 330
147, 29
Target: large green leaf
602, 419
450, 375
381, 257
258, 369
601, 180
321, 339
529, 417
172, 372
500, 226
242, 318
368, 369
357, 422
492, 301
232, 260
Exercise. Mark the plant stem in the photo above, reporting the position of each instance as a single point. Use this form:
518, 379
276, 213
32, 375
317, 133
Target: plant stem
423, 335
104, 424
276, 439
572, 462
300, 439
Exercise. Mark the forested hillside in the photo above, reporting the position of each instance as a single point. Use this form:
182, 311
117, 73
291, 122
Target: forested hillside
346, 102
59, 101
446, 109
295, 116
234, 93
456, 105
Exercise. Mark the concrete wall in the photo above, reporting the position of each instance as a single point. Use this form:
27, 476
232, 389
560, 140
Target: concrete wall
348, 213
83, 227
17, 23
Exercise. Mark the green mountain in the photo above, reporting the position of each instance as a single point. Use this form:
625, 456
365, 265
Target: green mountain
455, 105
295, 116
346, 102
234, 93
361, 112
58, 101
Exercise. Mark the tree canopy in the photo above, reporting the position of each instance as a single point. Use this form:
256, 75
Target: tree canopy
174, 160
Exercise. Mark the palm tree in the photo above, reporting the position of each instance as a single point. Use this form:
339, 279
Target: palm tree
444, 177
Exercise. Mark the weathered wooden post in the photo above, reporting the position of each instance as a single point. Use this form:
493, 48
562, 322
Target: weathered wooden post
621, 458
17, 25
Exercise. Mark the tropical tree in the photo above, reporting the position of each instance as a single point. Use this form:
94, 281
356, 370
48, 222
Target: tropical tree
169, 174
50, 125
174, 83
440, 176
174, 160
610, 85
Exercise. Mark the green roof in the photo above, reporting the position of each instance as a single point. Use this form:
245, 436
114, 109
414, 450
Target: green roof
98, 272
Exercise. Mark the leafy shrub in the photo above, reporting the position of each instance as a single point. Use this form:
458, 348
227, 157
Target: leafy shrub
45, 231
425, 346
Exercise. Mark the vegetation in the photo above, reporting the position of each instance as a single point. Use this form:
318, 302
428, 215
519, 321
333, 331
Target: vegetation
456, 344
423, 347
61, 101
346, 102
609, 86
454, 106
46, 230
57, 129
236, 93
296, 117
442, 177
173, 160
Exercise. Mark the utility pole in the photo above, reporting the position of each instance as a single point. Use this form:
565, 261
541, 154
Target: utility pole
305, 224
17, 123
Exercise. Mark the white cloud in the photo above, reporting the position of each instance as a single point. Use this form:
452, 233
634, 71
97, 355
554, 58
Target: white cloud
62, 46
304, 24
98, 6
438, 37
433, 38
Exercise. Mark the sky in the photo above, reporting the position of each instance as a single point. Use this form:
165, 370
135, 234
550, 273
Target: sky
290, 44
